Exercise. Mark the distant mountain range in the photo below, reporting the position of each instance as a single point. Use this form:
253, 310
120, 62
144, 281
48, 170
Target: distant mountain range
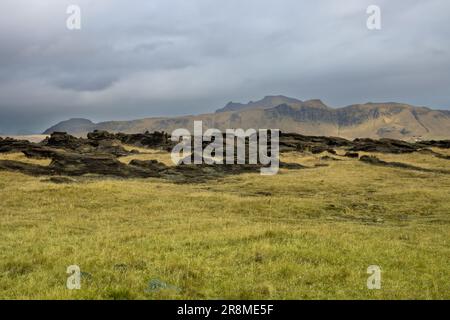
311, 117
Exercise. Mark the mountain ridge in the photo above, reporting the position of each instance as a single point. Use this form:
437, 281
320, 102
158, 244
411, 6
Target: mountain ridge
311, 117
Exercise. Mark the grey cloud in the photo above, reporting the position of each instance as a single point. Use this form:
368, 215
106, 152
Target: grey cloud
171, 57
86, 83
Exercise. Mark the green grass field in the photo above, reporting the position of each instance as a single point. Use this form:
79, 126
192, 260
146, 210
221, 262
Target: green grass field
302, 234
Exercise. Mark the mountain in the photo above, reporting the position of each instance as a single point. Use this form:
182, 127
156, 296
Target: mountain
266, 102
76, 126
311, 117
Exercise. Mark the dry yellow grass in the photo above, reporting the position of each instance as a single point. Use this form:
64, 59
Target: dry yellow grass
302, 234
19, 156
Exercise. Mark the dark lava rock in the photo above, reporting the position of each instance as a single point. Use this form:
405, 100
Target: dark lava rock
442, 156
444, 144
149, 164
298, 142
76, 164
354, 155
39, 152
101, 135
384, 146
320, 149
150, 140
26, 168
94, 144
13, 145
66, 163
291, 166
378, 162
318, 165
59, 180
328, 158
97, 155
73, 164
63, 140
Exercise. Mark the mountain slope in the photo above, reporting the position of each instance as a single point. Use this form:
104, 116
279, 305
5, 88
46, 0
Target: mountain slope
76, 126
312, 117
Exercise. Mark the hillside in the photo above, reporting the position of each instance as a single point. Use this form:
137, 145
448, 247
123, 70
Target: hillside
312, 117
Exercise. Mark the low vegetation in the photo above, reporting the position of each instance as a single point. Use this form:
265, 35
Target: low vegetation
302, 234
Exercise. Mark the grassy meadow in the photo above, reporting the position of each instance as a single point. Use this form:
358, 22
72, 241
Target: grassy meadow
302, 234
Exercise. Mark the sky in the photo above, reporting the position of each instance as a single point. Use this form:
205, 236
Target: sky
134, 59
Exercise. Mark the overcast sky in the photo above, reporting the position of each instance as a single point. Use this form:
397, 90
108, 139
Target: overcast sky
173, 57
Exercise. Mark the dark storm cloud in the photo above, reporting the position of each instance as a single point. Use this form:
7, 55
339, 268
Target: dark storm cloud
171, 57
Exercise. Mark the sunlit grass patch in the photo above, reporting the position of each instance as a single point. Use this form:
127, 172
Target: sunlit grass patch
302, 234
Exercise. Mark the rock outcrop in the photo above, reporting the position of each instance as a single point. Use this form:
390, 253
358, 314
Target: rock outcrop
99, 154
